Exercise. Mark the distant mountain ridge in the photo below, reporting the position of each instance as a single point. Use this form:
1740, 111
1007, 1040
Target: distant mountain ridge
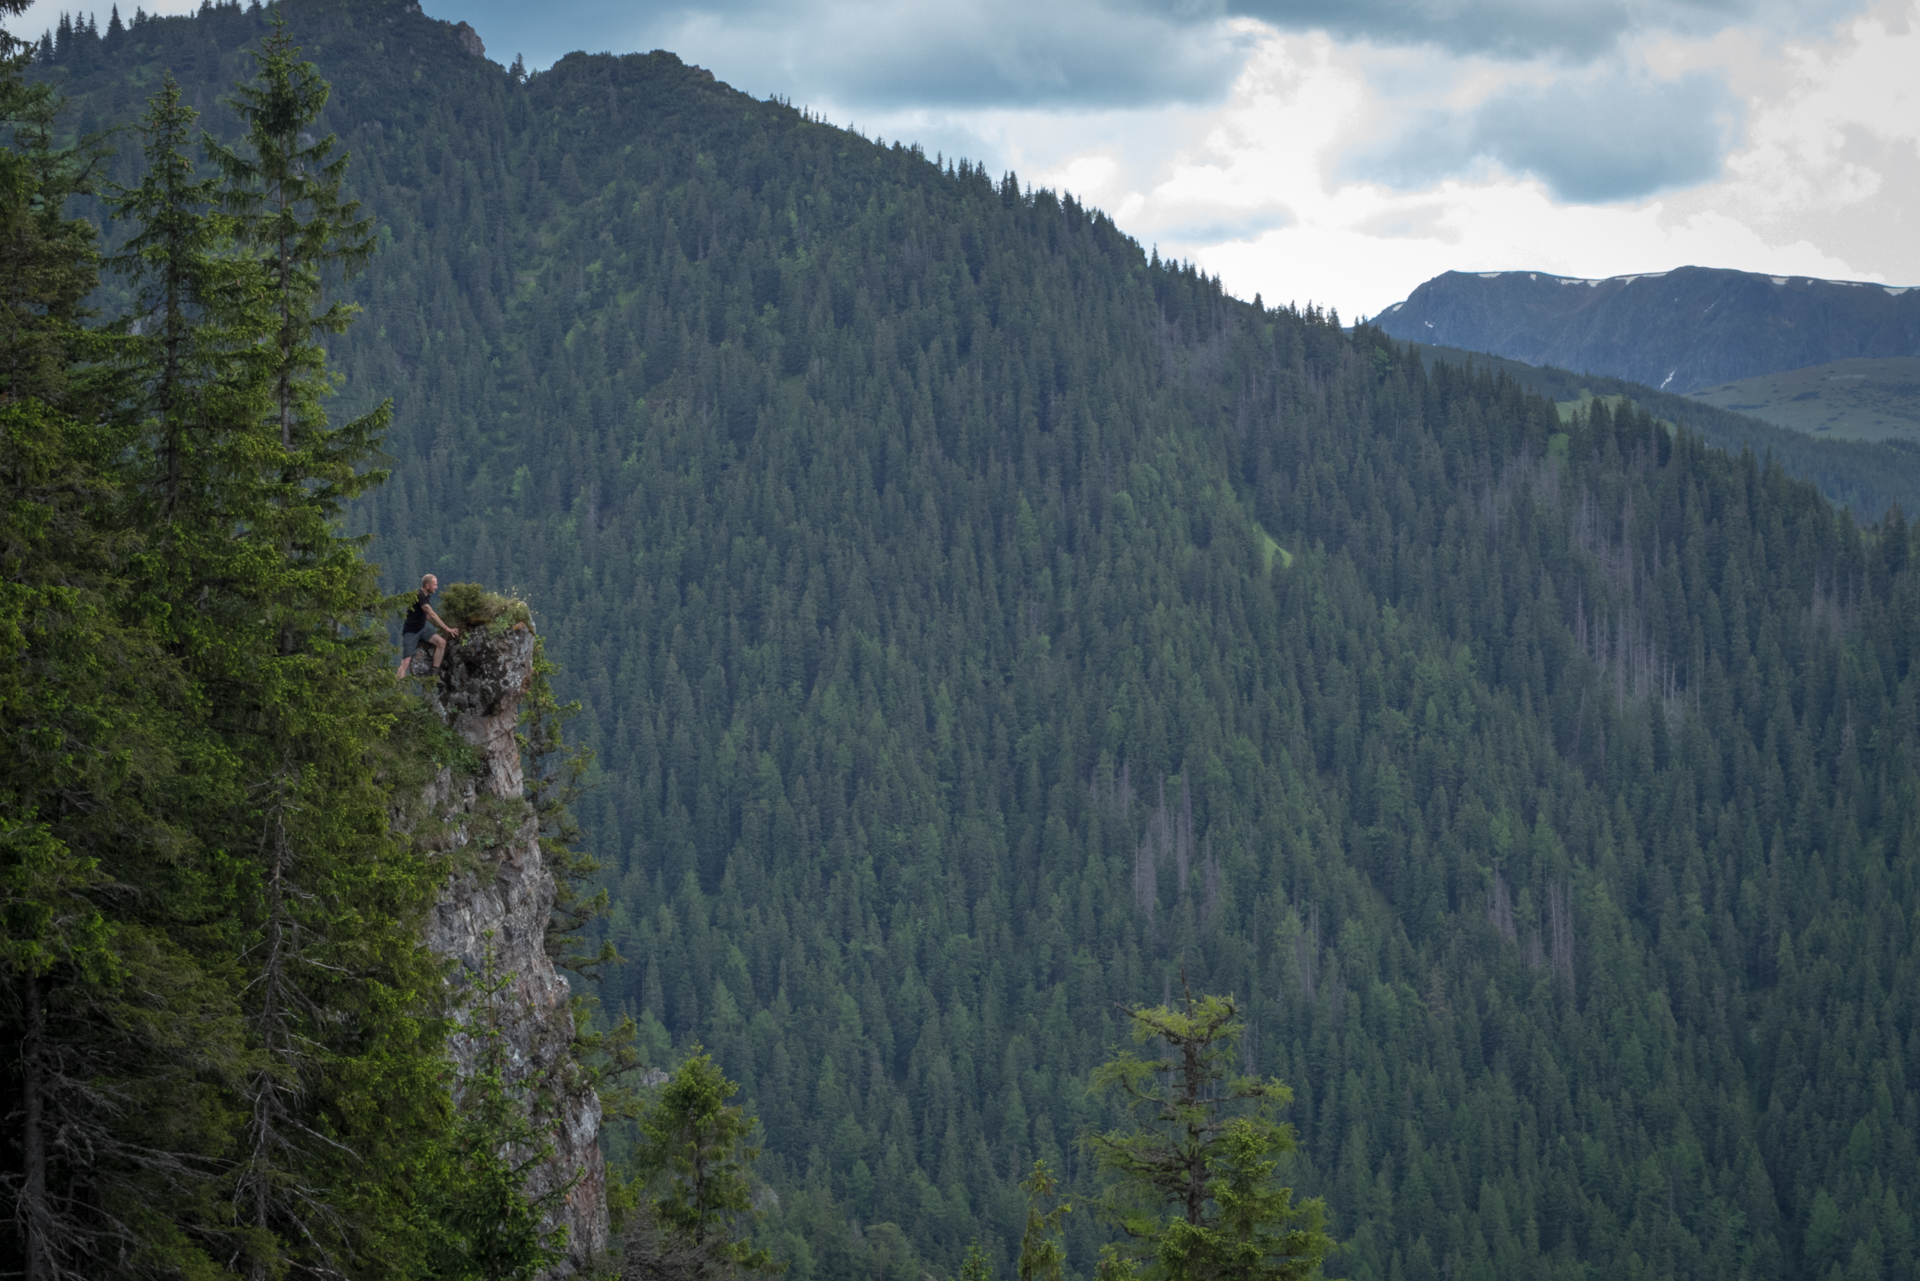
1677, 330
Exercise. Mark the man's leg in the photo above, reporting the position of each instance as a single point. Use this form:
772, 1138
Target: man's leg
439, 650
409, 647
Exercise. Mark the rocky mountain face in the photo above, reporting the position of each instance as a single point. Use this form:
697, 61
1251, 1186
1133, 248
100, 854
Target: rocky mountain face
501, 899
1677, 330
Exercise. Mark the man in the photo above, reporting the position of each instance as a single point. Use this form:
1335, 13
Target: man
420, 626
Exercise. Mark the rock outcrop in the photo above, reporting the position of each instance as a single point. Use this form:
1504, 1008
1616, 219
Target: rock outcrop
470, 42
502, 898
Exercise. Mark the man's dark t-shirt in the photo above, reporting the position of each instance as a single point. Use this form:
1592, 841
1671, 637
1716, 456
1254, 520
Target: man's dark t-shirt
417, 616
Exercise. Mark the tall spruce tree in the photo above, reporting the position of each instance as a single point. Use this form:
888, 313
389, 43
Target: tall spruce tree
124, 1039
1194, 1190
185, 275
48, 259
270, 611
335, 973
1042, 1256
696, 1157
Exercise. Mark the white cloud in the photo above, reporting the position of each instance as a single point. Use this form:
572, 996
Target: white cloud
1825, 183
1833, 150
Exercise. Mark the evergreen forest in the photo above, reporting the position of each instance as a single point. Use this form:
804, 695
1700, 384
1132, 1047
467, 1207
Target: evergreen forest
980, 623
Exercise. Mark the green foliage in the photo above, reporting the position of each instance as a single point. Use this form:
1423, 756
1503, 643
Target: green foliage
1194, 1169
124, 1048
485, 1223
225, 1049
283, 185
1871, 478
974, 1267
695, 1156
50, 258
908, 541
556, 772
471, 605
1042, 1257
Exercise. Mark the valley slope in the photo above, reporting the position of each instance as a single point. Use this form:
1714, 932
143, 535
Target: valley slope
1868, 476
1859, 399
911, 540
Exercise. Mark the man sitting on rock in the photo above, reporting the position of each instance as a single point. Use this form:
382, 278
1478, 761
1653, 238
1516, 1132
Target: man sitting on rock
423, 625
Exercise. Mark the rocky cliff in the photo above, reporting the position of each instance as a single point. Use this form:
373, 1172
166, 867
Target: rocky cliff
502, 897
1677, 330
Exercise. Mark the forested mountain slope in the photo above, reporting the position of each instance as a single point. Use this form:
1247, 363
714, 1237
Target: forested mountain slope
1868, 476
978, 621
1677, 330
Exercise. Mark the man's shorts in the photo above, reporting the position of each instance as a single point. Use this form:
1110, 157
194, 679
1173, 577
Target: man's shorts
410, 641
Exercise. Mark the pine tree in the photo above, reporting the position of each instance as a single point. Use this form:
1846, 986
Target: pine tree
1041, 1255
694, 1152
285, 184
337, 982
48, 259
974, 1267
125, 1039
188, 286
1193, 1175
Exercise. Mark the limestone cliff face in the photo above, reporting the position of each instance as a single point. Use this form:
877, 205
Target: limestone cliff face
508, 893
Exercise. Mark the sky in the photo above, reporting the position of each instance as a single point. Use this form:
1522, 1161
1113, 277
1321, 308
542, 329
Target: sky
1341, 152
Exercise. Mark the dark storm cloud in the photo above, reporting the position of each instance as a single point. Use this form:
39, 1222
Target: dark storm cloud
1601, 133
967, 53
1591, 139
890, 54
1014, 53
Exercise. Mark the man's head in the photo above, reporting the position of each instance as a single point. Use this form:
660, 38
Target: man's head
429, 584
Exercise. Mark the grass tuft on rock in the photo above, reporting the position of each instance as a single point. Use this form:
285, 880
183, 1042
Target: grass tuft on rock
471, 605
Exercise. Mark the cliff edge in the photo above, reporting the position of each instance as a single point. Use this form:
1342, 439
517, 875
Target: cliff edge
503, 892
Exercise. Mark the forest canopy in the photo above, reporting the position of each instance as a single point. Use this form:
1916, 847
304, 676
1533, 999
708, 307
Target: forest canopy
977, 619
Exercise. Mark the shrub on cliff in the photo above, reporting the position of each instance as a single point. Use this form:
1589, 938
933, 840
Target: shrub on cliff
471, 605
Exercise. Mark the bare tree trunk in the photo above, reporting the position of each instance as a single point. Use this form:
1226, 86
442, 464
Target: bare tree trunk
34, 1217
267, 1138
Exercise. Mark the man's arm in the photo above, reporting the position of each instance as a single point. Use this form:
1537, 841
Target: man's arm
441, 623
